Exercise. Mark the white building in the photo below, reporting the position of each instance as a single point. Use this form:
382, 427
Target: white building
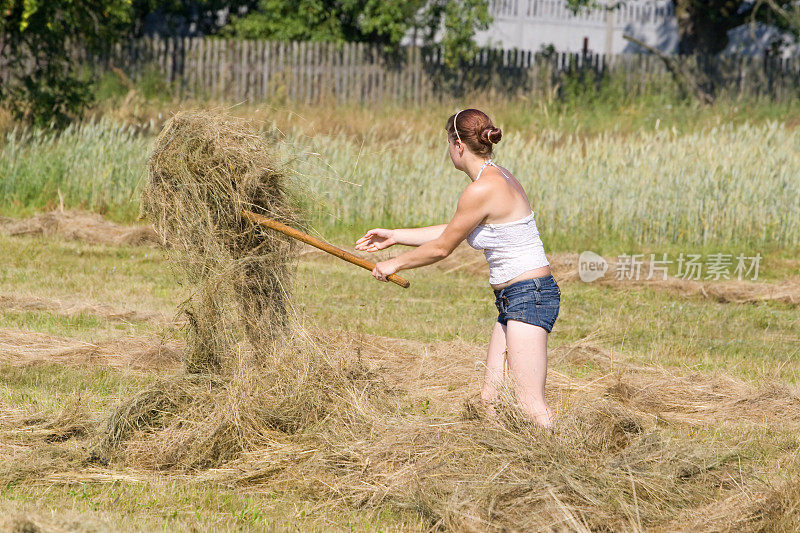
532, 24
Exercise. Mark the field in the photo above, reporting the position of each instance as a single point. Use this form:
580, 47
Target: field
678, 399
660, 176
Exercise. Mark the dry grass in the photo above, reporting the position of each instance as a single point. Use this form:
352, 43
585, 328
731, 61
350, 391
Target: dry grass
79, 225
245, 380
357, 424
19, 347
204, 170
620, 456
727, 291
73, 308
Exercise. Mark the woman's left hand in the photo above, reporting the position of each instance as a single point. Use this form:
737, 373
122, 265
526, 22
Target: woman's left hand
384, 269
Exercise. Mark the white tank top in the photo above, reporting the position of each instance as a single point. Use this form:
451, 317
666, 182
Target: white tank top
511, 248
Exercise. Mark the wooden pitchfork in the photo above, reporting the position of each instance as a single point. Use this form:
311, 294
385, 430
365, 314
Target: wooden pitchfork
317, 243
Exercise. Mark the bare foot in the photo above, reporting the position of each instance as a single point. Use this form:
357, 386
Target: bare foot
545, 424
491, 413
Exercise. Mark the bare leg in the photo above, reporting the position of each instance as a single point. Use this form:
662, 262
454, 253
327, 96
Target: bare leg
495, 368
527, 360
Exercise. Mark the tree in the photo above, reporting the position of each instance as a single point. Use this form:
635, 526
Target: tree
703, 25
185, 17
374, 21
36, 39
326, 20
460, 21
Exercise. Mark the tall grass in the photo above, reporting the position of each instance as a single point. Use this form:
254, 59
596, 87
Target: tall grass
726, 184
94, 165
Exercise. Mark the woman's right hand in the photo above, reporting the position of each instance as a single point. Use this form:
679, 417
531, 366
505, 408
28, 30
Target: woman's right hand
376, 239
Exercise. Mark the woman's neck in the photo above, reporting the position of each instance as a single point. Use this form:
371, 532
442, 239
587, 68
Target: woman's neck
473, 166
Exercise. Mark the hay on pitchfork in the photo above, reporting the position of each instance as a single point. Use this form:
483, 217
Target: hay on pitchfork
205, 169
242, 385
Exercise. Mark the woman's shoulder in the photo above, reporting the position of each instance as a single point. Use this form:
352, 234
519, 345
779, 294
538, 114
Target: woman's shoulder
497, 174
477, 192
503, 171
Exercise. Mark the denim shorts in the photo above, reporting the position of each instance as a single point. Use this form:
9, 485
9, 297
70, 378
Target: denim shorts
533, 301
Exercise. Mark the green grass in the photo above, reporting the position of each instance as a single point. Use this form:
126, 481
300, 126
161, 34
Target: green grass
723, 179
96, 166
83, 326
726, 186
48, 322
752, 341
51, 387
650, 326
167, 505
127, 277
600, 177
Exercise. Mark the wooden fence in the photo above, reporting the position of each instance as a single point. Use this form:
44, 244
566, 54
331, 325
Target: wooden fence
313, 72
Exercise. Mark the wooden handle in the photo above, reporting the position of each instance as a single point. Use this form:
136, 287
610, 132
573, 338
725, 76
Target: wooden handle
317, 243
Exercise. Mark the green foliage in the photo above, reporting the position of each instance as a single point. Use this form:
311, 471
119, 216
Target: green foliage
152, 85
578, 5
108, 86
177, 15
375, 21
37, 36
580, 88
327, 20
461, 19
310, 20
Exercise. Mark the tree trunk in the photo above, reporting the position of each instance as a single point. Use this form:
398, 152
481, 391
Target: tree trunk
703, 24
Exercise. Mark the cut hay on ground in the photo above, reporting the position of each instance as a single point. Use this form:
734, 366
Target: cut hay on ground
80, 226
565, 267
21, 348
621, 455
565, 270
610, 463
74, 308
371, 431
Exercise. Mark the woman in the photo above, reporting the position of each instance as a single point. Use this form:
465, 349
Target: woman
493, 214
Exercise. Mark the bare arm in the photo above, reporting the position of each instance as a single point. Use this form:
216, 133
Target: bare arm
472, 209
380, 238
418, 236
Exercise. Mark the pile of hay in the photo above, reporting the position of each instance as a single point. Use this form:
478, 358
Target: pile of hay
248, 374
205, 169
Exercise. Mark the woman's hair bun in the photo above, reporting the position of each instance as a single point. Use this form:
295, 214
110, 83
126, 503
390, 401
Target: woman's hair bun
491, 135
